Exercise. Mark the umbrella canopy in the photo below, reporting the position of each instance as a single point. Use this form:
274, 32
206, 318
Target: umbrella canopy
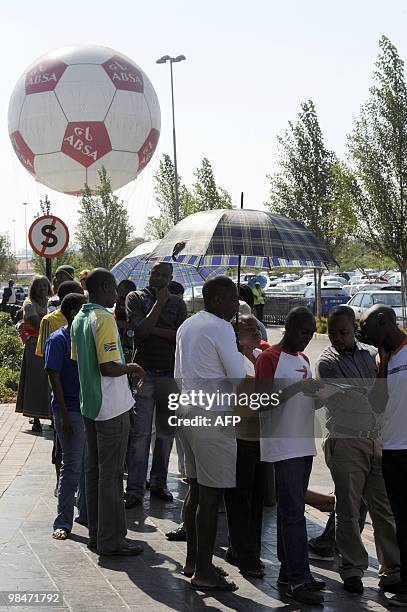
260, 238
136, 267
258, 278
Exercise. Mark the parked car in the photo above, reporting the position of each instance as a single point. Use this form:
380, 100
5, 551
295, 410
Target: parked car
365, 299
193, 299
330, 297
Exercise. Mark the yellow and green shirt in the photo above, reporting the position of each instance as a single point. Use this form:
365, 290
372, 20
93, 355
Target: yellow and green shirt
95, 340
49, 324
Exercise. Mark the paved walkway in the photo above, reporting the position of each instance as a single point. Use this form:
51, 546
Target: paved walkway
31, 560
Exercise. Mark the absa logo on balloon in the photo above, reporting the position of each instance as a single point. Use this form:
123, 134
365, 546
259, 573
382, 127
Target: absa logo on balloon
86, 142
44, 77
123, 75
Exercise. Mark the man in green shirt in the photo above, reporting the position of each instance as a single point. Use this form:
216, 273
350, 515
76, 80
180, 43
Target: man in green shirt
105, 401
259, 300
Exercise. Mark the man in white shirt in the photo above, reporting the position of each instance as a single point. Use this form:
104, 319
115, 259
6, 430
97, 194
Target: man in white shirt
379, 324
207, 359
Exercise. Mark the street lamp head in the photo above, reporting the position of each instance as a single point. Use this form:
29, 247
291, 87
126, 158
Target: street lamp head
163, 59
179, 58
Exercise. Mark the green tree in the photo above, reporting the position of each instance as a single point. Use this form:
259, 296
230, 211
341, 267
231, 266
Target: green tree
311, 184
103, 230
355, 254
164, 192
378, 148
207, 194
8, 262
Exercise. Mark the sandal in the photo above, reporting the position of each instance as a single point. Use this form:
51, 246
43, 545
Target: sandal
221, 585
60, 534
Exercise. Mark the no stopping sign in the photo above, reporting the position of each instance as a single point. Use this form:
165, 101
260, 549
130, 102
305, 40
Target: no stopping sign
48, 236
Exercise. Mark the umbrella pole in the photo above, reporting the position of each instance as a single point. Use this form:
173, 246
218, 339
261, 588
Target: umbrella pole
239, 265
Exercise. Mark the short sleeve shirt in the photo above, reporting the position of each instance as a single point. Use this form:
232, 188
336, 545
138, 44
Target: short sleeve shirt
58, 359
95, 340
49, 324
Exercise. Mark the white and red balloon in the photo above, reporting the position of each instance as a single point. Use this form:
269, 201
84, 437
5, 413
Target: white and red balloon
77, 109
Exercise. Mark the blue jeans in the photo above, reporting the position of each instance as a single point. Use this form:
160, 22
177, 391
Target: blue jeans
292, 477
154, 393
73, 445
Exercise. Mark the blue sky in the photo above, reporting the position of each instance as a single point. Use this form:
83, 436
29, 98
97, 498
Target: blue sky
249, 65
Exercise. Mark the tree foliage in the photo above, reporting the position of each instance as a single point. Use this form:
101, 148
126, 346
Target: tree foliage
311, 184
206, 195
378, 148
164, 192
8, 263
103, 229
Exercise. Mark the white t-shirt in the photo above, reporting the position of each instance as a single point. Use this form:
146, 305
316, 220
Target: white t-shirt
12, 298
207, 358
395, 417
287, 431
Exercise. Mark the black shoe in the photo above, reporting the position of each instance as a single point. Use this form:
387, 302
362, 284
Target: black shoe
129, 549
353, 584
230, 558
36, 426
305, 594
161, 493
177, 535
314, 584
318, 551
395, 587
132, 501
399, 600
92, 545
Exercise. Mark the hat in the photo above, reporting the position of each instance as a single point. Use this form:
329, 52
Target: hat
68, 270
257, 283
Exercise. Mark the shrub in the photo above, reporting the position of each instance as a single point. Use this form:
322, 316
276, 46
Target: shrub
322, 325
11, 352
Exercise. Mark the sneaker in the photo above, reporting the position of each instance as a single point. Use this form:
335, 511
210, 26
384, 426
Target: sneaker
162, 493
177, 535
315, 584
353, 584
400, 599
304, 593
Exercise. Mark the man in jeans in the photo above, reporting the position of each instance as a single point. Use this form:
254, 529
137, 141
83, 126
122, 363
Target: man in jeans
154, 314
353, 453
106, 400
379, 324
287, 440
64, 379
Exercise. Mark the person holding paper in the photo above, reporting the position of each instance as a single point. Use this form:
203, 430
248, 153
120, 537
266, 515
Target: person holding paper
353, 453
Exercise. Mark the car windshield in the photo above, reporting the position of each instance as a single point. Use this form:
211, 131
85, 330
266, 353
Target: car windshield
390, 299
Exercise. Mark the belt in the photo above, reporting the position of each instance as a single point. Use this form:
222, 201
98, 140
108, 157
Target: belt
363, 433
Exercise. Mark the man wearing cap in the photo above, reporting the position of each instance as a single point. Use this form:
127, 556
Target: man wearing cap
259, 299
62, 274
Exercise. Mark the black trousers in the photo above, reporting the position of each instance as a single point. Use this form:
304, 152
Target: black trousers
394, 466
244, 505
258, 309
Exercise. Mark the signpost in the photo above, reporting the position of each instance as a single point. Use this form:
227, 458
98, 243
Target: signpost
48, 237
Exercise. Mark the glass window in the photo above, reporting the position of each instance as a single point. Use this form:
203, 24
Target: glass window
356, 299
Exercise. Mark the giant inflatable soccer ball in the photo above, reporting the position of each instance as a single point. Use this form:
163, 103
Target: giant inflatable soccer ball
77, 109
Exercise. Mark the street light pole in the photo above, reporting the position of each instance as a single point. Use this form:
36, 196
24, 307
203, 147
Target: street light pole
172, 60
25, 204
14, 236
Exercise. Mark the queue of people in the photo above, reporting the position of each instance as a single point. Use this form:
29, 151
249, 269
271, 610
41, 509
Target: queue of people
112, 370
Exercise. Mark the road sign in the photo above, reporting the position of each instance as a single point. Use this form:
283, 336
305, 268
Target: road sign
48, 236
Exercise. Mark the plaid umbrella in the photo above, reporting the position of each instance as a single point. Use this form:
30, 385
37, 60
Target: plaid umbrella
136, 268
260, 239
